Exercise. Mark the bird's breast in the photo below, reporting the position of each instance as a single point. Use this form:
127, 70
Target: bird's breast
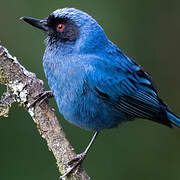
75, 95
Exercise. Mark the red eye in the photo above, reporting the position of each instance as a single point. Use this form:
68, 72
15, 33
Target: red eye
60, 27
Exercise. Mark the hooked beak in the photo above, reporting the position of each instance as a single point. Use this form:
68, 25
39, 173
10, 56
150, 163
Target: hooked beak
41, 24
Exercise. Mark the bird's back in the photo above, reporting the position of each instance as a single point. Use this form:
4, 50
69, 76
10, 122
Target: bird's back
100, 91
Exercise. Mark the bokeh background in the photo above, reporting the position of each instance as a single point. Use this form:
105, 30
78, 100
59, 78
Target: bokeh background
148, 32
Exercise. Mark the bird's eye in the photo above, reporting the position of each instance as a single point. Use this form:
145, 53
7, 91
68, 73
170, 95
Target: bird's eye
60, 27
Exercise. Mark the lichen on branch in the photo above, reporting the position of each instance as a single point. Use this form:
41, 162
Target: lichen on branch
21, 87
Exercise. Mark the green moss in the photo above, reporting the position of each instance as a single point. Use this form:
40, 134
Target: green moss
3, 79
4, 108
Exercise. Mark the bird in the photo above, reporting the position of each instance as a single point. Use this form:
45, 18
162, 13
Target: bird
96, 86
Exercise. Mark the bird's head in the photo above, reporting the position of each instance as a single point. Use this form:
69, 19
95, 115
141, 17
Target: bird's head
70, 26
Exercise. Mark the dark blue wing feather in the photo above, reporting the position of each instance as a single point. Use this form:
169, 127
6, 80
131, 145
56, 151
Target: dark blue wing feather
126, 86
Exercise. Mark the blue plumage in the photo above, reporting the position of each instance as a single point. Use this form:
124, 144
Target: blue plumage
96, 86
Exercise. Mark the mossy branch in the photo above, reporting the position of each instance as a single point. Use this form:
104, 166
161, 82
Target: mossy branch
22, 87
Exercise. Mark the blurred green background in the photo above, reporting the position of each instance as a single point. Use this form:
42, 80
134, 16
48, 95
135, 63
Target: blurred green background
148, 32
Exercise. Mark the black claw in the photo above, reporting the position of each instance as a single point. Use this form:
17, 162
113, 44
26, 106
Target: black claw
79, 158
77, 161
41, 98
74, 163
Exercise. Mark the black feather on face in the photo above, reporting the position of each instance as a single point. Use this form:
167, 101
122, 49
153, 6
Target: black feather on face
62, 29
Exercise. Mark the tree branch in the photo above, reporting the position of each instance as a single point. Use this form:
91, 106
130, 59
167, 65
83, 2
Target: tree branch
22, 87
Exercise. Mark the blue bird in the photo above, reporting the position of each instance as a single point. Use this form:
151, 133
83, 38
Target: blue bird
96, 86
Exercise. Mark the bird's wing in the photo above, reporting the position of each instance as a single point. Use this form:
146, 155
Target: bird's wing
126, 86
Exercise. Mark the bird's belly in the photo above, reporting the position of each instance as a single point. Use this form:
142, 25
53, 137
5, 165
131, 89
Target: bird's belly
89, 112
82, 107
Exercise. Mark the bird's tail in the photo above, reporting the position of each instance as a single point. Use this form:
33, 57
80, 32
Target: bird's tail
173, 118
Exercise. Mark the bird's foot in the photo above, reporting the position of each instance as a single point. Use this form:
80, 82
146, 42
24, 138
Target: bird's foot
41, 98
78, 159
74, 163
